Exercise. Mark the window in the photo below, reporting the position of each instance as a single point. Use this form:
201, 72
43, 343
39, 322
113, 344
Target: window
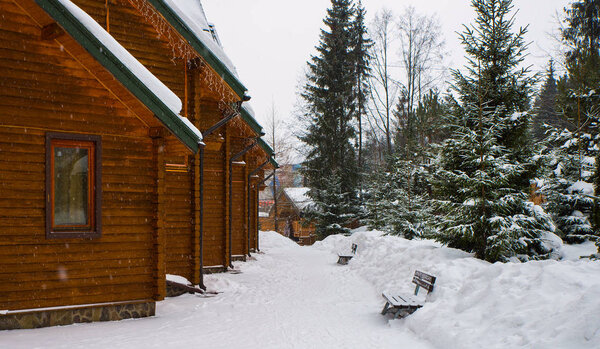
73, 186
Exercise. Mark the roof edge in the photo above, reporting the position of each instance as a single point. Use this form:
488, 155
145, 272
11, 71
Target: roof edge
111, 62
251, 121
185, 31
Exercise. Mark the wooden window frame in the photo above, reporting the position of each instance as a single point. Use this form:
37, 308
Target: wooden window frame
94, 228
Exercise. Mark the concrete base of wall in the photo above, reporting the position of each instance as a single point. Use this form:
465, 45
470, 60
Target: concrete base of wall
61, 317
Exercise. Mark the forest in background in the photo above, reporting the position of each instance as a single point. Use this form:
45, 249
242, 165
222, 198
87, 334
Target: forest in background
500, 163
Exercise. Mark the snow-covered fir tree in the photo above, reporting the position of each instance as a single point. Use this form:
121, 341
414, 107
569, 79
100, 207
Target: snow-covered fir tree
568, 190
332, 210
362, 46
398, 202
569, 184
332, 103
486, 164
546, 111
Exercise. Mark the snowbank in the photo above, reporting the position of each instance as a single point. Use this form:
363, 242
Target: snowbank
272, 240
545, 304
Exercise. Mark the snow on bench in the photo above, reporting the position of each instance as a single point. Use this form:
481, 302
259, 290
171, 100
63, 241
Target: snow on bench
404, 305
344, 259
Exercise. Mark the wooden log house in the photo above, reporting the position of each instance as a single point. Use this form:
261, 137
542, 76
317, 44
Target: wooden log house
153, 204
292, 223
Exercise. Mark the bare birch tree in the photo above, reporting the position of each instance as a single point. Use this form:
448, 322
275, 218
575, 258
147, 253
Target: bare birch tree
383, 88
421, 51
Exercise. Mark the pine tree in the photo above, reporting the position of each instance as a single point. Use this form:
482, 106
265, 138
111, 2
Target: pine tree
486, 164
596, 215
398, 202
362, 46
331, 101
332, 211
493, 73
567, 187
546, 112
579, 91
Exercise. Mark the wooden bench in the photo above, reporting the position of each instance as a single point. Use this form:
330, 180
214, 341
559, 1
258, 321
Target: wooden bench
404, 305
344, 259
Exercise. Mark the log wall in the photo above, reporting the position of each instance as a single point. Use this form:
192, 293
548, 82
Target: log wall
42, 89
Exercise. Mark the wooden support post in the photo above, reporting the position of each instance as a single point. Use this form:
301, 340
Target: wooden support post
226, 185
158, 157
197, 192
196, 244
246, 207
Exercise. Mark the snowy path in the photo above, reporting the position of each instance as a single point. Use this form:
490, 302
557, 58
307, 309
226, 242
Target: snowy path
290, 297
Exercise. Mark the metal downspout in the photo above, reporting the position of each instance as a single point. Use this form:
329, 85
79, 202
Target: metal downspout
250, 175
231, 160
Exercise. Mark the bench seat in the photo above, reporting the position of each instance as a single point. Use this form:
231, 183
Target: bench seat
401, 305
343, 260
402, 300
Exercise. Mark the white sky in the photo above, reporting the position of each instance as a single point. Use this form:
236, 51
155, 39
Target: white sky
270, 40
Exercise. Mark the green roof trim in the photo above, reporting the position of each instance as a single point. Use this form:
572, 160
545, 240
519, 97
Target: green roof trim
111, 62
267, 148
184, 30
251, 121
273, 162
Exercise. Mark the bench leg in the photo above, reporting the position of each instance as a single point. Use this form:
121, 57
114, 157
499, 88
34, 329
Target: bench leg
385, 308
399, 314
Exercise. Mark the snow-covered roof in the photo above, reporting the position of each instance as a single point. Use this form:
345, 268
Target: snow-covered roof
192, 14
151, 82
299, 197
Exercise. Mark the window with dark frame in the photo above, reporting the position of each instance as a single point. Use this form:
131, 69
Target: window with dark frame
73, 185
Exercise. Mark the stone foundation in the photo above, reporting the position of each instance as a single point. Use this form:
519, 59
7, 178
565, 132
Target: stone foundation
174, 291
241, 258
61, 317
214, 270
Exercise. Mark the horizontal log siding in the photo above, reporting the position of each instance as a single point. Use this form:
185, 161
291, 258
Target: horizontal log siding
179, 220
43, 89
214, 187
140, 38
238, 211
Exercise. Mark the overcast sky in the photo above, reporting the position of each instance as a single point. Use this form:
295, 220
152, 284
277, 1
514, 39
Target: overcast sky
270, 40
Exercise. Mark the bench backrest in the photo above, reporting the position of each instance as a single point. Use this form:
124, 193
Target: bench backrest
423, 280
354, 247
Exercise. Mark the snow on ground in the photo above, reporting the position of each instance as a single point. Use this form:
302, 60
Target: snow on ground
289, 297
475, 304
298, 297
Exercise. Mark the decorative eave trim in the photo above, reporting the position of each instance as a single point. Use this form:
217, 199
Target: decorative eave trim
184, 30
104, 56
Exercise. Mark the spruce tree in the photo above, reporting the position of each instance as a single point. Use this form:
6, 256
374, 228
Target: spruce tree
486, 164
567, 186
331, 106
362, 45
579, 101
398, 202
546, 112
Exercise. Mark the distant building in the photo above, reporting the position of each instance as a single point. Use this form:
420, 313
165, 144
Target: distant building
291, 205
